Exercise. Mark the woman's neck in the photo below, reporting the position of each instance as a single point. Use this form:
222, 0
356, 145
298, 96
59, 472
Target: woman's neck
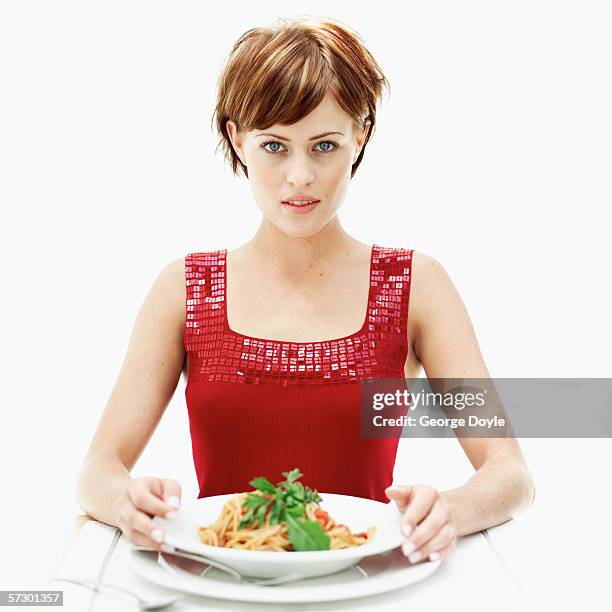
295, 257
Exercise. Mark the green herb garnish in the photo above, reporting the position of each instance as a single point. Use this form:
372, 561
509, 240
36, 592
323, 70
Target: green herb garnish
306, 535
287, 503
257, 505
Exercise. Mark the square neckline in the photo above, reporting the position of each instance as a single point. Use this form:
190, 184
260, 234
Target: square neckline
360, 331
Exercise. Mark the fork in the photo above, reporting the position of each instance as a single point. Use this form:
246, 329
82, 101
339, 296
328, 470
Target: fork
143, 604
170, 550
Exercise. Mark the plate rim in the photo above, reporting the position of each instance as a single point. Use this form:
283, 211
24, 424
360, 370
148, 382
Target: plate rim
264, 556
378, 584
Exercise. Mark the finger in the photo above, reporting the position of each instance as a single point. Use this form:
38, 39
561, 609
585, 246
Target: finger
141, 527
156, 487
141, 522
144, 500
400, 495
171, 492
445, 536
427, 528
418, 508
140, 539
442, 553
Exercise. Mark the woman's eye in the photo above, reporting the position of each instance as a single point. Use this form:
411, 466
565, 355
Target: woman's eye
275, 144
327, 142
270, 142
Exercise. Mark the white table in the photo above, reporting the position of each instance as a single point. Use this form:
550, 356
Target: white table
475, 577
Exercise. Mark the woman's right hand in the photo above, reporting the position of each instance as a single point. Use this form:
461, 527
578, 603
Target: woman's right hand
141, 500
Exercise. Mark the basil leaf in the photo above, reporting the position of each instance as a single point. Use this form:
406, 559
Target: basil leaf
296, 490
297, 510
290, 500
294, 474
311, 496
282, 515
275, 514
263, 484
306, 535
254, 500
261, 514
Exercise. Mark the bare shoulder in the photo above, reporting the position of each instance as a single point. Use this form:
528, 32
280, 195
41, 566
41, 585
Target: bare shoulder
431, 287
170, 280
172, 275
428, 275
444, 336
168, 292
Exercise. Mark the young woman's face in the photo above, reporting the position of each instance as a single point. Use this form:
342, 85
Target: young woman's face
311, 158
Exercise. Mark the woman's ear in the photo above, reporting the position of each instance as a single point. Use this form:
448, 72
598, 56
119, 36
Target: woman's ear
236, 139
360, 139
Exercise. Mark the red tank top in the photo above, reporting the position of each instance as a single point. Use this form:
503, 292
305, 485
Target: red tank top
259, 407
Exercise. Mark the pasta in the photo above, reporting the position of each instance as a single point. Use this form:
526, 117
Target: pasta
249, 521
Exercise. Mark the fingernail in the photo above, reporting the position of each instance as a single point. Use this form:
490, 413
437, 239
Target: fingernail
170, 515
157, 535
173, 501
406, 529
434, 556
415, 556
393, 489
408, 547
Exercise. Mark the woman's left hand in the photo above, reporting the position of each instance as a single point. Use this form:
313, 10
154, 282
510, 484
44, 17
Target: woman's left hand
427, 522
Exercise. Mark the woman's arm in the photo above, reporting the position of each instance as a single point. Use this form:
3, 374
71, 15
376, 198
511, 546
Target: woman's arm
446, 344
145, 384
499, 490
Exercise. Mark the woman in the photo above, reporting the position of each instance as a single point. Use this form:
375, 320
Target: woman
265, 334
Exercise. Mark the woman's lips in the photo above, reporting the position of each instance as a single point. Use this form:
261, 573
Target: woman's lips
300, 210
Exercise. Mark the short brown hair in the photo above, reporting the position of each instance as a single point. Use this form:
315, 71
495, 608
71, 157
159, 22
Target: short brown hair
280, 73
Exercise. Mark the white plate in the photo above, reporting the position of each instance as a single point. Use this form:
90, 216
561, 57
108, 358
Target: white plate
386, 572
357, 513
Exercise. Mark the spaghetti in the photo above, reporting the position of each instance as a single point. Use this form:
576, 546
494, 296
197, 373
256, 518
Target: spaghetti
249, 521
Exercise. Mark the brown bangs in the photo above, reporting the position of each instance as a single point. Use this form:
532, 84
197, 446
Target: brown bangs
279, 74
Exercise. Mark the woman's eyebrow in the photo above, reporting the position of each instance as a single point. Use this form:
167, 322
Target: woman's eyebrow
287, 139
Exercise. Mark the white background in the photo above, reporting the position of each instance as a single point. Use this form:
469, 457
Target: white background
492, 154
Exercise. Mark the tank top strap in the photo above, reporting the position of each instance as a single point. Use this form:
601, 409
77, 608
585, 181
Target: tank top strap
387, 317
205, 289
390, 291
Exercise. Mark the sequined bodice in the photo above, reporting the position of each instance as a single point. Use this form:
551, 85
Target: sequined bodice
261, 407
217, 353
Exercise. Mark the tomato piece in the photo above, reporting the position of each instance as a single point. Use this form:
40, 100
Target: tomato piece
322, 516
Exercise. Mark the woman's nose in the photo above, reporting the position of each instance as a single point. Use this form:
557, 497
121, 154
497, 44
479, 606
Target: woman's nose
300, 171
